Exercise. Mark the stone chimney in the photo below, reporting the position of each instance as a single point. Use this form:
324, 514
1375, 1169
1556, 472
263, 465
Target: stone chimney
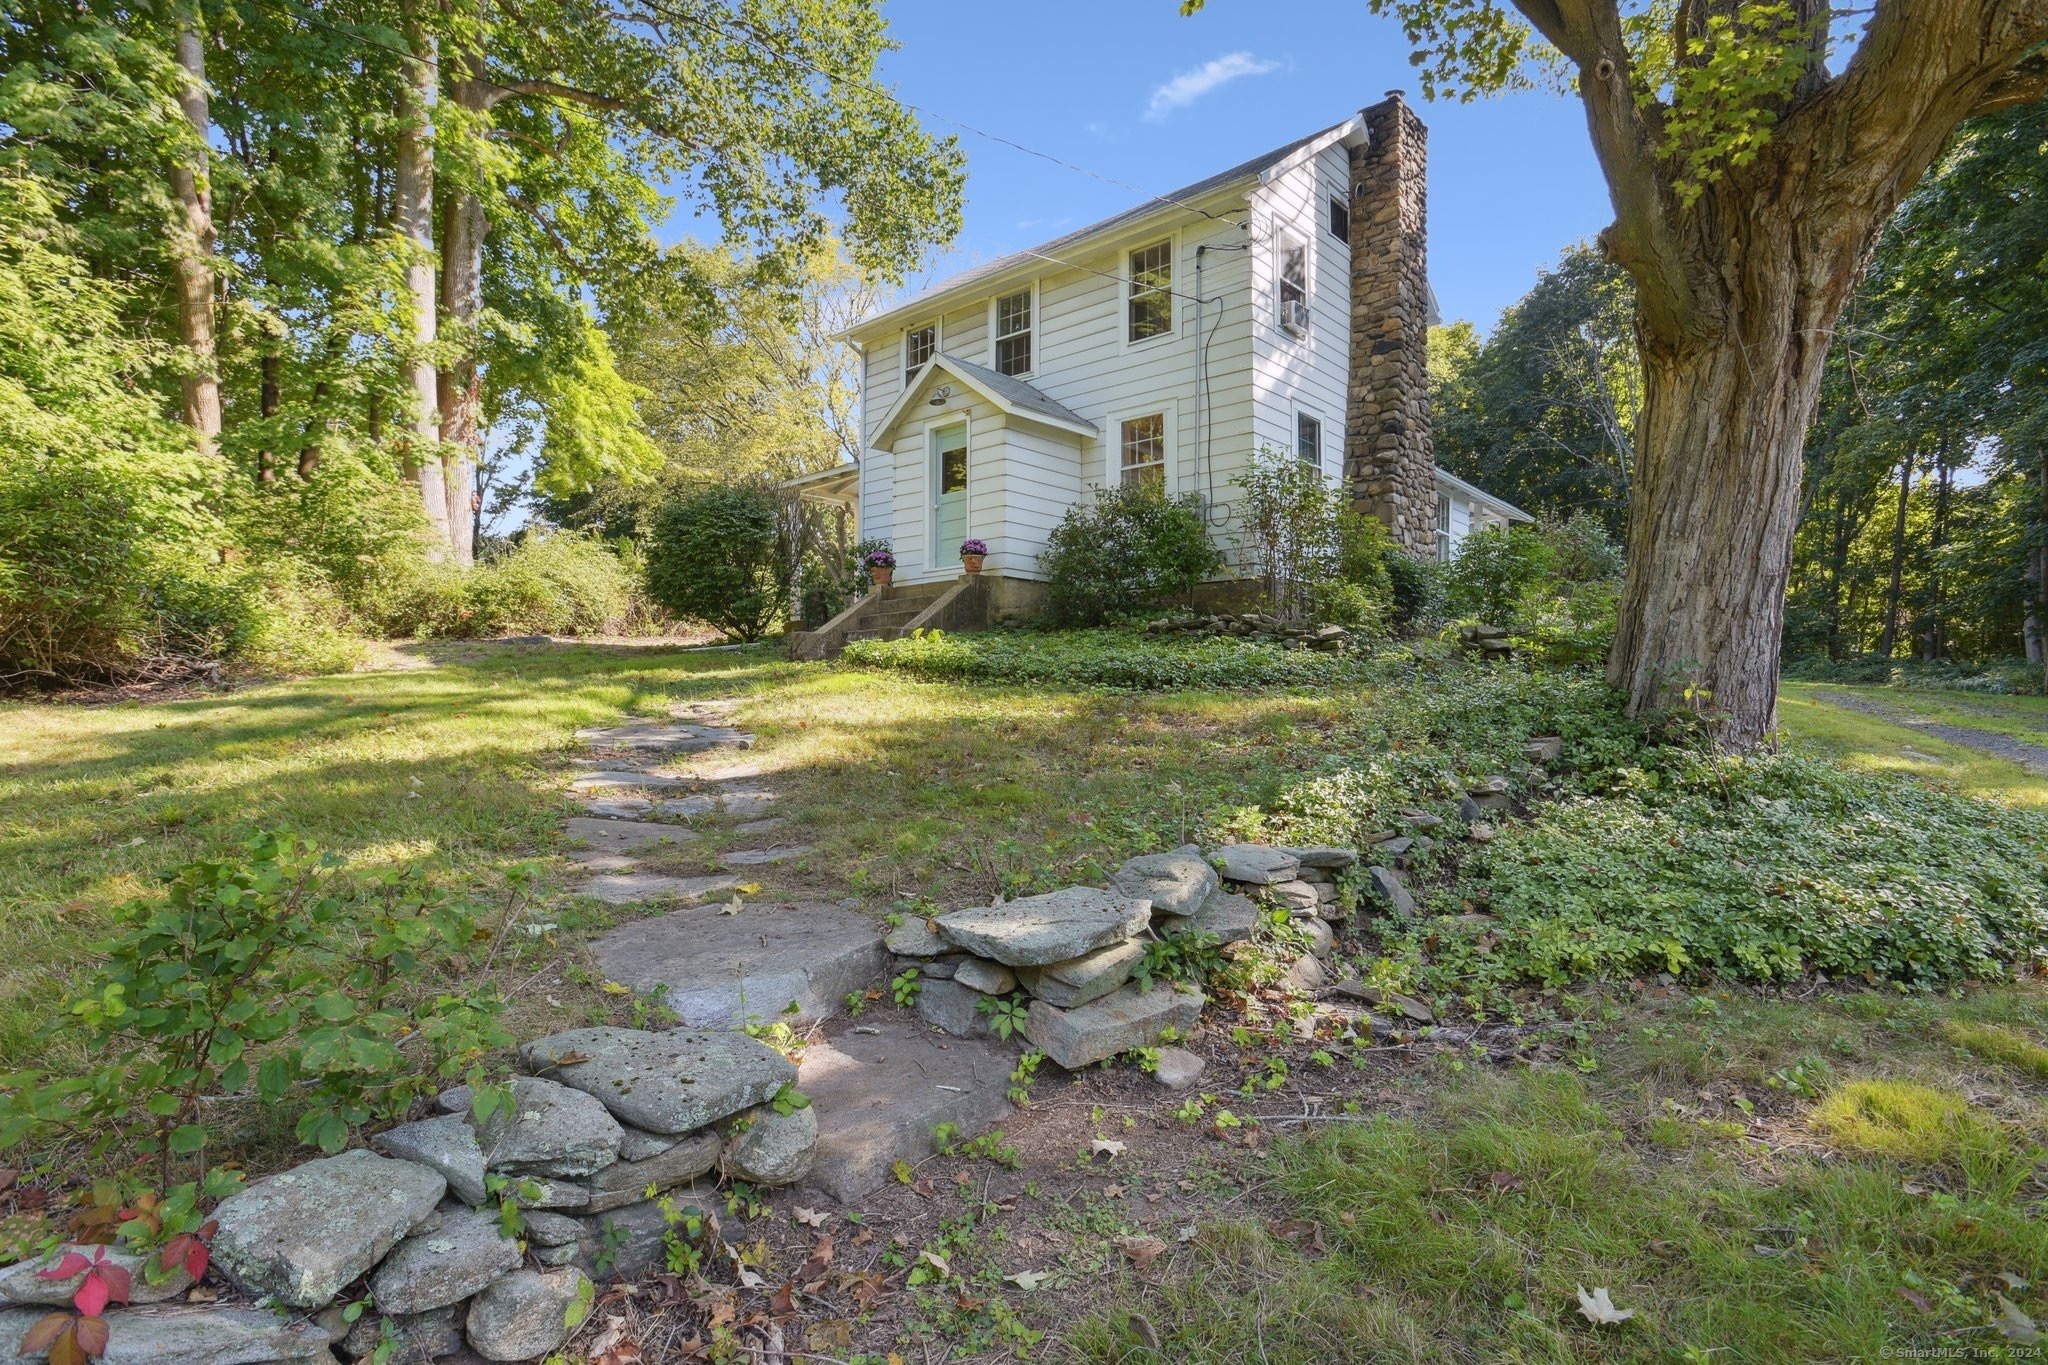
1389, 462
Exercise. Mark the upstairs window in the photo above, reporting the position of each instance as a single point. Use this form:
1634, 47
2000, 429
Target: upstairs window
1340, 220
1443, 528
1144, 451
1293, 278
1308, 440
1013, 333
1151, 301
920, 344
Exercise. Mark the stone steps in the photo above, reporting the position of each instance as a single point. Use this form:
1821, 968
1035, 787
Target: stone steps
719, 968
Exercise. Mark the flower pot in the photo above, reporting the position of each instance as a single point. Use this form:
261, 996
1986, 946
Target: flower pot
972, 563
881, 576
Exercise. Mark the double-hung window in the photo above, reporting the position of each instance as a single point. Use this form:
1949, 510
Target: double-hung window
1443, 528
920, 344
1308, 440
1013, 333
1340, 220
1293, 276
1150, 307
1143, 441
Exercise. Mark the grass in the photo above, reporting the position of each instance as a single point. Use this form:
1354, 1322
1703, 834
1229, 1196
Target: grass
1678, 1175
1868, 744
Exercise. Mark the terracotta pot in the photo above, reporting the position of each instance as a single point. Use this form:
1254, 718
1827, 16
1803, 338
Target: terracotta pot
972, 563
881, 576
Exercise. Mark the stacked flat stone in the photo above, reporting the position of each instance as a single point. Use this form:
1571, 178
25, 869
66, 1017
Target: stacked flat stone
1256, 625
1490, 643
606, 1116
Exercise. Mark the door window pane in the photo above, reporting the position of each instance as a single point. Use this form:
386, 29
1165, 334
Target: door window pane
953, 471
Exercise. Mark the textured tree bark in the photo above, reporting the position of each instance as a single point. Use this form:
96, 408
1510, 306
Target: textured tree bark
413, 215
192, 242
463, 228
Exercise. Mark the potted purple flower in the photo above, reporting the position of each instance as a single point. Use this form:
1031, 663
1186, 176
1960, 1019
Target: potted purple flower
972, 552
881, 566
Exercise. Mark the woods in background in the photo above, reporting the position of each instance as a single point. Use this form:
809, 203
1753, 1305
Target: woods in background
277, 277
1924, 510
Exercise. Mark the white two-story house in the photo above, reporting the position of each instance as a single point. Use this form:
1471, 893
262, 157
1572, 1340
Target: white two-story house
1280, 305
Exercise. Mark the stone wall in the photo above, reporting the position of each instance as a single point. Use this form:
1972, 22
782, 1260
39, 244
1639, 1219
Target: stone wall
1389, 461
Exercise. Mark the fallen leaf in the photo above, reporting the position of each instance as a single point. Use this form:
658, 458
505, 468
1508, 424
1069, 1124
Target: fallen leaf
1914, 1297
1504, 1182
1144, 1331
2014, 1325
810, 1218
1028, 1280
1143, 1251
936, 1261
1112, 1191
1108, 1147
748, 888
926, 1188
1599, 1309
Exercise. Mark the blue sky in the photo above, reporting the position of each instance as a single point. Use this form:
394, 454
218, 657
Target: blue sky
1130, 90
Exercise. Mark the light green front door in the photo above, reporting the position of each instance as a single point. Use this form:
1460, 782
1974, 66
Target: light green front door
949, 470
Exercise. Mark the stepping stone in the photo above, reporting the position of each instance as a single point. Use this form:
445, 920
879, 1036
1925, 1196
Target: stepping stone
1126, 1018
749, 801
602, 862
735, 770
758, 857
610, 779
300, 1236
722, 970
687, 807
673, 1082
196, 1335
878, 1094
629, 888
767, 826
624, 836
618, 807
1037, 931
666, 737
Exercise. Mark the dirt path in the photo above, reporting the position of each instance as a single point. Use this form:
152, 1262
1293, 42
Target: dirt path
2032, 757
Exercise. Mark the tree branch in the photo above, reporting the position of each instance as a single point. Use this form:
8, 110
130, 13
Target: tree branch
557, 90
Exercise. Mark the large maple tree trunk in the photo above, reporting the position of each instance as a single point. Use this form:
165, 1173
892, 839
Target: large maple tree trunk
193, 242
1715, 500
463, 227
413, 214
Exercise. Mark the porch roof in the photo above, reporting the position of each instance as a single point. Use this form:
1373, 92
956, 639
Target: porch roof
1013, 396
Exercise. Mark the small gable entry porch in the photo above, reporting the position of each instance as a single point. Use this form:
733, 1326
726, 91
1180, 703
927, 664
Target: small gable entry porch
966, 452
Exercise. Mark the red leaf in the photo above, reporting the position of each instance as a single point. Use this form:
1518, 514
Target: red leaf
91, 1297
174, 1251
92, 1335
65, 1268
47, 1329
196, 1259
118, 1278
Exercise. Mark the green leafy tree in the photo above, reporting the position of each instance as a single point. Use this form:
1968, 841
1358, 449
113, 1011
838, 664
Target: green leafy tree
1753, 164
718, 556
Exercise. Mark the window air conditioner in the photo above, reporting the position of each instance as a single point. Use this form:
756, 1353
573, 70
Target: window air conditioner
1294, 317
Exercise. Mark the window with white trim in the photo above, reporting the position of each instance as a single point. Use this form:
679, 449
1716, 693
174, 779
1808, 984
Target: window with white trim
1292, 273
1143, 442
920, 344
1308, 439
1443, 528
1013, 333
1340, 220
1149, 310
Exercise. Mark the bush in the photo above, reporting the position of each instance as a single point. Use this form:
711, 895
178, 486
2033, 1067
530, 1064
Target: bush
1495, 573
1113, 660
263, 978
559, 583
1417, 588
1359, 590
1313, 554
717, 557
1132, 549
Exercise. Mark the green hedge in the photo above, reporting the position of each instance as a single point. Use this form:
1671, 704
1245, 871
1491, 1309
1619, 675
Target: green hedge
1112, 659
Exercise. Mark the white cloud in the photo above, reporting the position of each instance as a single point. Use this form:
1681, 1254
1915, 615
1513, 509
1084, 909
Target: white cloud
1190, 86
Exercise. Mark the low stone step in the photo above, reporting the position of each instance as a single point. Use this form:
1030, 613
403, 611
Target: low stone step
631, 888
625, 779
722, 969
759, 857
886, 633
880, 1090
665, 736
624, 836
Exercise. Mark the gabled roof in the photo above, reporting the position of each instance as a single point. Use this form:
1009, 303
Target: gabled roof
1473, 490
1259, 167
1015, 397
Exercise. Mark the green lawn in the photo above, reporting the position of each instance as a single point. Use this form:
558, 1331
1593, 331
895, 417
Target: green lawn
1667, 1150
1869, 744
